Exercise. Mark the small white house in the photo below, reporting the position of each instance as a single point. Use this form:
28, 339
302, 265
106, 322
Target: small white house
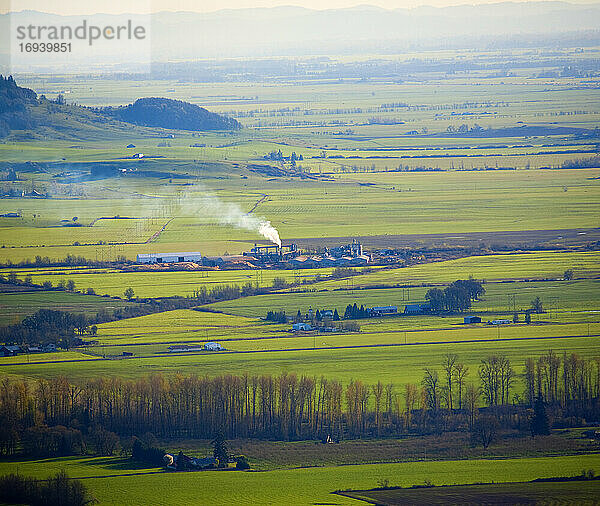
213, 347
302, 326
167, 258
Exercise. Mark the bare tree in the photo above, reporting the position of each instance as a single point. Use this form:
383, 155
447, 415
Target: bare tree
461, 372
485, 430
449, 365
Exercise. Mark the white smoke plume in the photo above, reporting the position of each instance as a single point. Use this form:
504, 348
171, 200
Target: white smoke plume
227, 213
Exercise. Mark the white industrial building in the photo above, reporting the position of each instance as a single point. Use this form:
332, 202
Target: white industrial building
302, 326
166, 258
212, 347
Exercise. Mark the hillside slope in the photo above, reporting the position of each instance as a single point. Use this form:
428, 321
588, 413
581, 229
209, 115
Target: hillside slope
24, 115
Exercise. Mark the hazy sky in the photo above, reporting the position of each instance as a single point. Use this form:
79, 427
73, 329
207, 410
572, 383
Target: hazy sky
145, 6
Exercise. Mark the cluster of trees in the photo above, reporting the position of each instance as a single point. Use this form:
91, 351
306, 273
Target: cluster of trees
48, 326
317, 316
276, 316
303, 407
59, 489
457, 296
145, 449
582, 163
569, 383
204, 295
353, 312
277, 156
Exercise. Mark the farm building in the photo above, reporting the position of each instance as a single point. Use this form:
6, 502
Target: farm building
212, 347
9, 351
166, 258
302, 326
499, 322
184, 348
417, 308
381, 310
472, 319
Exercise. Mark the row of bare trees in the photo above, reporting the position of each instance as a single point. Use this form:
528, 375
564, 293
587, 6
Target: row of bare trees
570, 381
298, 407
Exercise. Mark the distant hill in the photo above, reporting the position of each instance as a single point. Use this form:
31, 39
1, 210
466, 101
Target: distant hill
24, 115
292, 31
175, 114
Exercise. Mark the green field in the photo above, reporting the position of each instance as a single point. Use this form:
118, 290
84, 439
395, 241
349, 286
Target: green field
485, 172
398, 364
288, 486
15, 305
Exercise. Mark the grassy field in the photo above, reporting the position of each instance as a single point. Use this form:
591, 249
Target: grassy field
538, 265
107, 480
165, 284
398, 364
15, 305
515, 200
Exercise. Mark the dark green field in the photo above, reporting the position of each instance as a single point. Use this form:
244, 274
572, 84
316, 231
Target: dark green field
586, 492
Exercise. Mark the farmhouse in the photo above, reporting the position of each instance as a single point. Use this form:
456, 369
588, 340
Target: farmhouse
213, 347
472, 319
167, 258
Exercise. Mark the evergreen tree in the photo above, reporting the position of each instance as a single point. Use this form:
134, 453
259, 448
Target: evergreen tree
336, 316
540, 424
181, 462
220, 449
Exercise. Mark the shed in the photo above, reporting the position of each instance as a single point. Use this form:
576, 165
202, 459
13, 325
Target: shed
472, 319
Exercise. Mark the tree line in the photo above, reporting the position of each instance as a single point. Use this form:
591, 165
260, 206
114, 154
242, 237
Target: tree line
295, 407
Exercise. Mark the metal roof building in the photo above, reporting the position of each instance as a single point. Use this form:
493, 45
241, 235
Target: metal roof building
160, 258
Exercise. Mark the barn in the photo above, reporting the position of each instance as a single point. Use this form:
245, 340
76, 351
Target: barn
382, 310
167, 258
472, 319
417, 308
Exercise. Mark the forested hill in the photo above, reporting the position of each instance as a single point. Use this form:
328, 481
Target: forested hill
25, 116
14, 103
167, 113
